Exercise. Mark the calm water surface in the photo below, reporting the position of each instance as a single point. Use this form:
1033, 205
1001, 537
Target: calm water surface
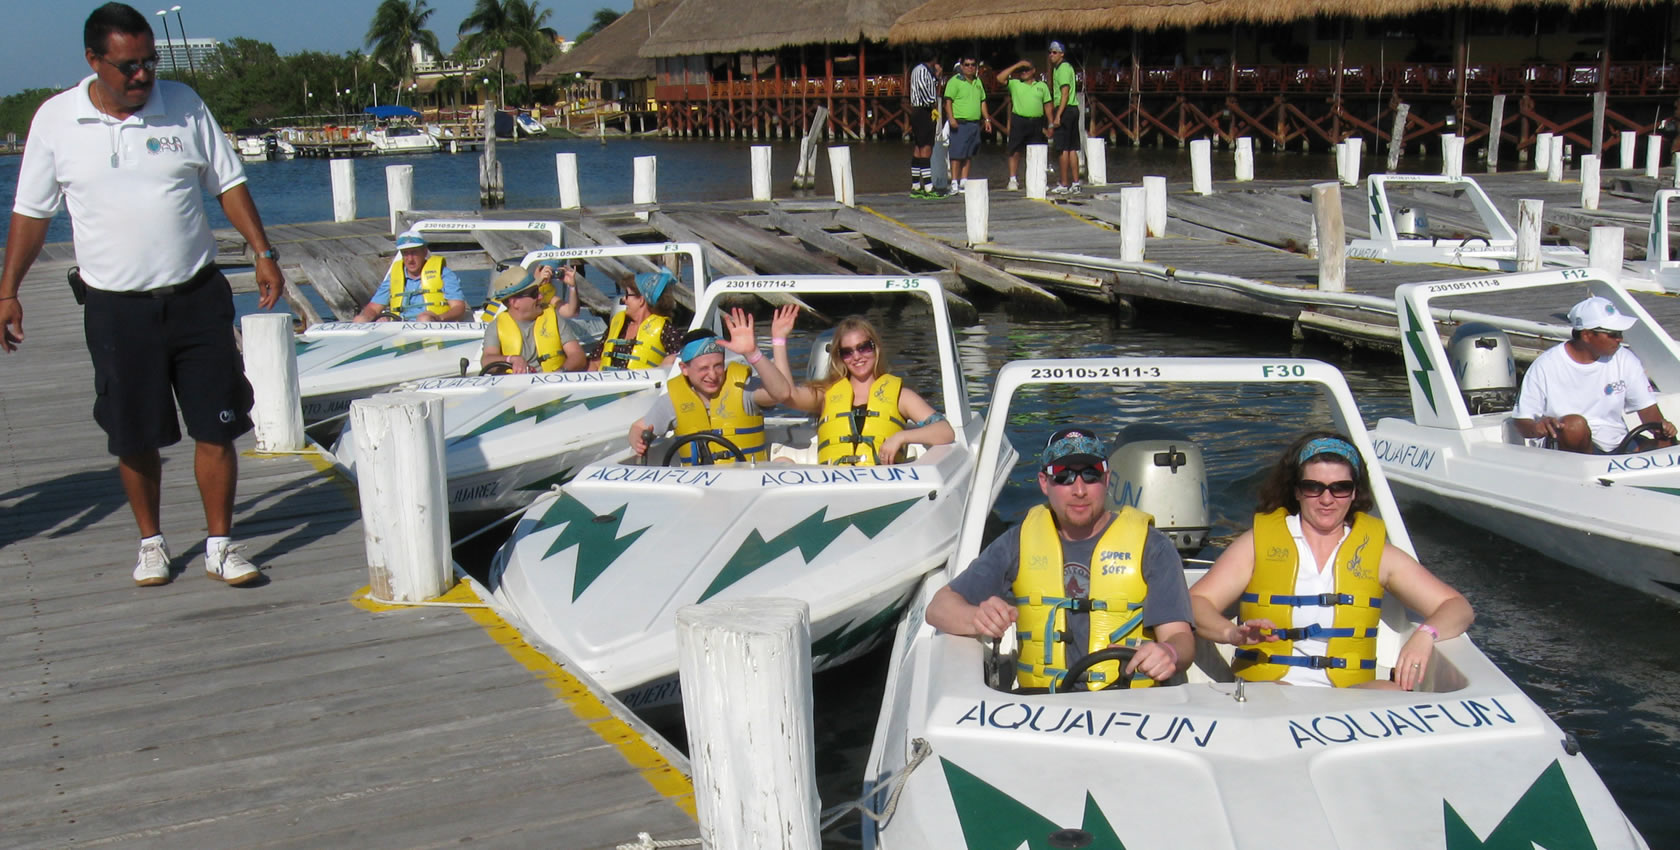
1597, 657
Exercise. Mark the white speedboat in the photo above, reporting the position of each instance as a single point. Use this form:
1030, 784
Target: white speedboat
1612, 515
339, 362
509, 438
528, 125
1397, 212
1660, 266
959, 759
399, 139
596, 571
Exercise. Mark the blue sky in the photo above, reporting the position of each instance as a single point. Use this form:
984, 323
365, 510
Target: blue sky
50, 52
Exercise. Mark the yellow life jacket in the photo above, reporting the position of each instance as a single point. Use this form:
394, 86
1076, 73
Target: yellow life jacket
726, 417
551, 354
842, 438
1358, 597
643, 351
431, 285
1115, 603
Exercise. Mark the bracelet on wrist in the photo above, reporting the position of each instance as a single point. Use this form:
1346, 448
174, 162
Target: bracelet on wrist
1429, 630
756, 356
778, 340
8, 298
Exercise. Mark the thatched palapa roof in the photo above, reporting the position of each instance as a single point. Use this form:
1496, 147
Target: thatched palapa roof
731, 26
946, 20
611, 54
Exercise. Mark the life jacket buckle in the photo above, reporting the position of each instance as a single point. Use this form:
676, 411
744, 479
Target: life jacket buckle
1330, 599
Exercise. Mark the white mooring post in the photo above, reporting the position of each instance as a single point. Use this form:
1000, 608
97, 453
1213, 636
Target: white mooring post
1627, 148
344, 190
1201, 167
1037, 185
1542, 151
840, 171
1332, 245
745, 669
400, 478
1245, 159
761, 172
1589, 182
1604, 250
1096, 160
1529, 215
270, 352
1554, 169
1452, 156
1155, 205
1653, 155
977, 210
1134, 225
566, 179
399, 193
645, 186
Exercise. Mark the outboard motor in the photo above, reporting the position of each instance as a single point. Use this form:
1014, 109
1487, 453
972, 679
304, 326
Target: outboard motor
1411, 223
816, 368
1159, 470
1481, 359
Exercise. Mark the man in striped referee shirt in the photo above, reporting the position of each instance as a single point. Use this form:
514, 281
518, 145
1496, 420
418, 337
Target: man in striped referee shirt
924, 96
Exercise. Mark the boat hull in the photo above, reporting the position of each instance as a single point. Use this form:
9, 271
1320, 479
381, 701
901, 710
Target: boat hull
339, 362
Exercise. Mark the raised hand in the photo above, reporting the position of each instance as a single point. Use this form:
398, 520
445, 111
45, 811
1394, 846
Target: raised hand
741, 339
782, 323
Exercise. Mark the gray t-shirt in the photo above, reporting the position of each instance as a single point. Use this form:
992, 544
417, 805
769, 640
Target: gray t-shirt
527, 332
993, 574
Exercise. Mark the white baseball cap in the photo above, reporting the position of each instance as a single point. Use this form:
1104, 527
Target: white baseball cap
1597, 313
410, 239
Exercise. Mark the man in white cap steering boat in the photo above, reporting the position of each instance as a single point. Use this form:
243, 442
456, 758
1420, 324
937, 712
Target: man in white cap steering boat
418, 288
1577, 392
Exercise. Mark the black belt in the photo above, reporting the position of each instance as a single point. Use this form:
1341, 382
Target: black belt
199, 278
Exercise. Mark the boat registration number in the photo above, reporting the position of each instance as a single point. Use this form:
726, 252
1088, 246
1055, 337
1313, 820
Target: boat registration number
1097, 372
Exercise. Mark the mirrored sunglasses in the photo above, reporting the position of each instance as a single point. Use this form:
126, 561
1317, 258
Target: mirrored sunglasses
865, 347
1064, 475
133, 66
1313, 489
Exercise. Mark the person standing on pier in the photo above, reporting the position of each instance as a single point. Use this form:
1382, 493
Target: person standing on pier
965, 108
1064, 118
1027, 97
924, 99
131, 157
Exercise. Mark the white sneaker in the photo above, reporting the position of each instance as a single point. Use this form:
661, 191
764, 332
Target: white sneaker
234, 568
153, 566
1012, 186
1075, 187
1060, 190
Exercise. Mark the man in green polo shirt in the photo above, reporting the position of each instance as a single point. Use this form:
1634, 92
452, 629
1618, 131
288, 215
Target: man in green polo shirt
965, 106
1027, 97
1064, 118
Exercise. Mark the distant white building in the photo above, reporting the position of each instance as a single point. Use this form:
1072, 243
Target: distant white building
183, 55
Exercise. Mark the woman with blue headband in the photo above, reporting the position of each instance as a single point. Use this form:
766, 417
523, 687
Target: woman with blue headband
1311, 578
641, 336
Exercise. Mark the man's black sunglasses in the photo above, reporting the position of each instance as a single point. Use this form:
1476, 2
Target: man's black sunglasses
1064, 475
133, 66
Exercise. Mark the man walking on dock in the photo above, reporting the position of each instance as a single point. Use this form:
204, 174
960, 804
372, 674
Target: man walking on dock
131, 157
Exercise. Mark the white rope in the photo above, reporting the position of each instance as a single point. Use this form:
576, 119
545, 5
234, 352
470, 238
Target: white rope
919, 751
645, 841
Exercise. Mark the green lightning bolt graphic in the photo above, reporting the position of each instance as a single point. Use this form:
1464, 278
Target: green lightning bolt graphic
1376, 210
1414, 338
596, 537
851, 636
810, 536
540, 412
303, 347
993, 820
402, 348
1547, 815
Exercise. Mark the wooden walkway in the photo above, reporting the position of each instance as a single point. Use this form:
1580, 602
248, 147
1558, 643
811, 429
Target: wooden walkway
279, 715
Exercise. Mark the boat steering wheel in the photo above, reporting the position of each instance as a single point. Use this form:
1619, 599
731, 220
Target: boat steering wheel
388, 316
1653, 430
1080, 671
500, 367
703, 437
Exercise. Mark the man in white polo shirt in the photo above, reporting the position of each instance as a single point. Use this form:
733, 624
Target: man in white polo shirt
132, 158
1576, 393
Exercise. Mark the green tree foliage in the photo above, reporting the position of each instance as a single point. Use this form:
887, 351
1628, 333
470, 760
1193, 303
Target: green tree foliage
16, 110
396, 27
533, 35
493, 26
247, 82
602, 19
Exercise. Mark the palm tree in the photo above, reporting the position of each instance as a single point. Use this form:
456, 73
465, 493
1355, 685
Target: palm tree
397, 26
487, 31
532, 35
602, 19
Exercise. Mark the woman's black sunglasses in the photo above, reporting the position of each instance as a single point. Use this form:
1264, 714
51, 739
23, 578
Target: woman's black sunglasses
1313, 489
